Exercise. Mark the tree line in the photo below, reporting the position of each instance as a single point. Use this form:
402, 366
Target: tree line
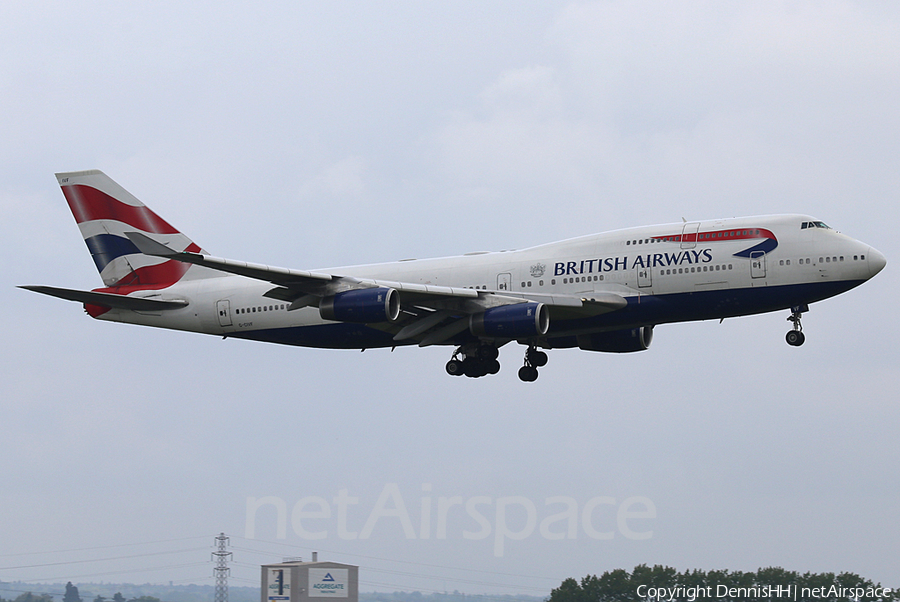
665, 584
71, 595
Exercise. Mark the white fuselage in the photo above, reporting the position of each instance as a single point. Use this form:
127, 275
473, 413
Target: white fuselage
668, 273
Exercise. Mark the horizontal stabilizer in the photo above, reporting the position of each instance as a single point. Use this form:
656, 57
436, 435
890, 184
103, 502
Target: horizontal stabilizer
107, 299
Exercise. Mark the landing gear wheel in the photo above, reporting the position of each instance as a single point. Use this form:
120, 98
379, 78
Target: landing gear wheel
488, 352
537, 358
795, 338
455, 368
474, 368
528, 374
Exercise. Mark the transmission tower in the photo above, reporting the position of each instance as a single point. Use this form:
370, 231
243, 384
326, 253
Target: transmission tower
221, 556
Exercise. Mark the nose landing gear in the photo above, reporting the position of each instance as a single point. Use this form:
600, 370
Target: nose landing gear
795, 336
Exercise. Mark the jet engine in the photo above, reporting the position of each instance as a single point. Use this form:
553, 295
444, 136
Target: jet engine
617, 341
366, 305
511, 321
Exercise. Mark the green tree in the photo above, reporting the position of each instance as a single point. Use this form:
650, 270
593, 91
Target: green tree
29, 597
620, 586
568, 591
615, 586
71, 593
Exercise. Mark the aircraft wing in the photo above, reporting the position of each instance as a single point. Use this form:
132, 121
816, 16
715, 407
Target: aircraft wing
426, 309
313, 283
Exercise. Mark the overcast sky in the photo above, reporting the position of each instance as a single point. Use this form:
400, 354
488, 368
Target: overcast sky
309, 135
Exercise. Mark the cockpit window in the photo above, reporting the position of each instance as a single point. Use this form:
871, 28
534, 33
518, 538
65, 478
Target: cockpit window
806, 225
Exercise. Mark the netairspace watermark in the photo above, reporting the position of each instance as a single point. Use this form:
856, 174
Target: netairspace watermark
510, 518
788, 592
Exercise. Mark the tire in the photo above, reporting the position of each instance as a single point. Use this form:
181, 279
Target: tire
474, 368
794, 338
488, 352
537, 358
528, 374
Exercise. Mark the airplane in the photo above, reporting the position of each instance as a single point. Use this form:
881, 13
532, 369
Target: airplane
602, 292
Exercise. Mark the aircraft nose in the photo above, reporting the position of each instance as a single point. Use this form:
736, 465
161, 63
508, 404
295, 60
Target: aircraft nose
876, 261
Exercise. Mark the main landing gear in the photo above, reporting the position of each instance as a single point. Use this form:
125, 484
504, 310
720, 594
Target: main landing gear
480, 359
534, 359
795, 336
474, 361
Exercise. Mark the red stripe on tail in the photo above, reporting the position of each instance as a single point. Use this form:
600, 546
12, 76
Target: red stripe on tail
88, 204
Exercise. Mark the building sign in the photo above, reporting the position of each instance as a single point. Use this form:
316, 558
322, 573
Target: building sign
329, 583
278, 584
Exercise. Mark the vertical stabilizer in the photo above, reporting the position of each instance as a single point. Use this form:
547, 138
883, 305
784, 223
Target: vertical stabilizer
104, 211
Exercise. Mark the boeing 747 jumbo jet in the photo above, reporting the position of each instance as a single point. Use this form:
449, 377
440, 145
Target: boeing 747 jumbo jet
603, 292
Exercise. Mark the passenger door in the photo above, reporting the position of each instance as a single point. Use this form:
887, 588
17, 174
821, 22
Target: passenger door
644, 277
223, 310
758, 264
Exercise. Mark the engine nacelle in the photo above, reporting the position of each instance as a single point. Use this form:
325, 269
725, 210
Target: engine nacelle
511, 321
617, 341
365, 305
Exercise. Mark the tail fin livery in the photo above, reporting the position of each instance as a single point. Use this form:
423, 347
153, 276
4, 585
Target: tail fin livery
104, 211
